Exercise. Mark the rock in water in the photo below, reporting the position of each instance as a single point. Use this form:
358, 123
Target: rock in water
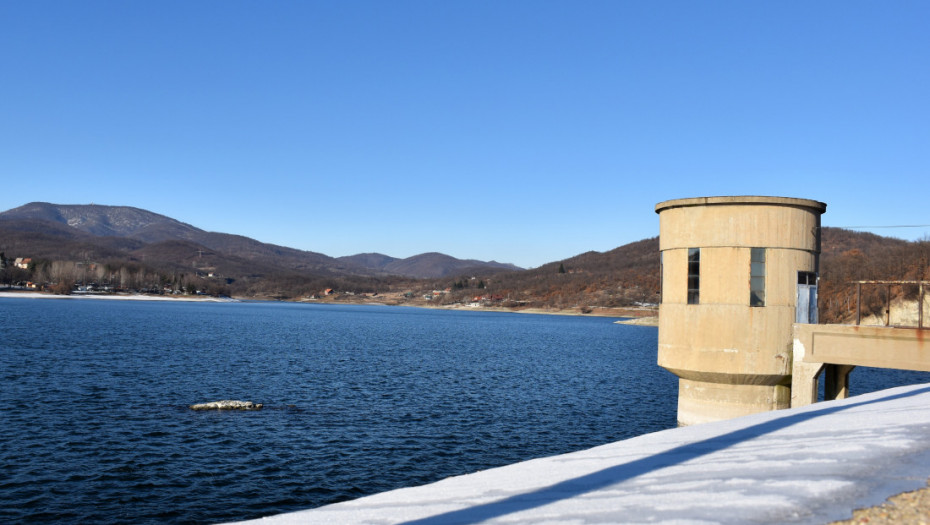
227, 404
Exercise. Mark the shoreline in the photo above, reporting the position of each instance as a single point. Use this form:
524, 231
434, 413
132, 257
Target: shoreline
633, 315
641, 315
115, 297
625, 315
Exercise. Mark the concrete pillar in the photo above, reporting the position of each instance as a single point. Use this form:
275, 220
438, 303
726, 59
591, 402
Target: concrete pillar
729, 344
836, 381
804, 382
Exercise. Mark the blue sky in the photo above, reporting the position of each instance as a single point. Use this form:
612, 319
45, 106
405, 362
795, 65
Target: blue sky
524, 132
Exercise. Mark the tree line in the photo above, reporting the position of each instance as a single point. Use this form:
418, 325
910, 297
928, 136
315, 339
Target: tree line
63, 277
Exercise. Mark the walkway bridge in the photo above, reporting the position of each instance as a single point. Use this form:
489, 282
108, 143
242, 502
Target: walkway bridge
835, 350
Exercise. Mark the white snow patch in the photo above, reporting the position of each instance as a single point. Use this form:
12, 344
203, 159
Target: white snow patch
809, 465
119, 297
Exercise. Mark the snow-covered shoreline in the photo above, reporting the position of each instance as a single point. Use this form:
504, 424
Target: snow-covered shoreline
117, 297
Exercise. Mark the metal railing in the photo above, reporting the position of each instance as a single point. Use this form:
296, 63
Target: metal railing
921, 287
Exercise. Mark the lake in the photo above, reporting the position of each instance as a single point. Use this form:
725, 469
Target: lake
358, 400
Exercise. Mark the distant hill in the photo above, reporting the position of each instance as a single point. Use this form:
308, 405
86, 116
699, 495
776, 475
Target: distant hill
427, 265
439, 265
90, 232
838, 241
849, 256
629, 274
619, 277
139, 248
106, 221
375, 261
141, 225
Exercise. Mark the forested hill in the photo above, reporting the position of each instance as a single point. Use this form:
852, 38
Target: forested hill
624, 276
630, 274
849, 256
620, 277
95, 225
138, 249
425, 265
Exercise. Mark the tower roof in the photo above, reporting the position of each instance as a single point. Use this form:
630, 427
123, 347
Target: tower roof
817, 206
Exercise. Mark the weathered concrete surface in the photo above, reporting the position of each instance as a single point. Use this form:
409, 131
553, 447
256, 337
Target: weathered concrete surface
785, 222
836, 349
732, 359
227, 404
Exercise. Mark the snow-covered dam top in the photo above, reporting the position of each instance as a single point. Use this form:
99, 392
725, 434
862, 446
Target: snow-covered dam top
809, 465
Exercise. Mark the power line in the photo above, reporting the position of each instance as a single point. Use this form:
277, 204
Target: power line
873, 227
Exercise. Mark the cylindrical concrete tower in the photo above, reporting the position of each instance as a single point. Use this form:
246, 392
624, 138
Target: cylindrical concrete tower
732, 272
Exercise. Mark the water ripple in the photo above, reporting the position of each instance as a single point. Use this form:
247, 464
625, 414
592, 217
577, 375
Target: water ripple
360, 400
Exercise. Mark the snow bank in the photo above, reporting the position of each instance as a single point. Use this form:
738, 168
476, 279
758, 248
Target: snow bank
116, 297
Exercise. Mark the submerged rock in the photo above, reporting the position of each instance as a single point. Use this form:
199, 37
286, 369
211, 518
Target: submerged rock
227, 404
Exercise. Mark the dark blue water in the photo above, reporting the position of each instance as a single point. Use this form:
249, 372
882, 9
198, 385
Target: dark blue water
94, 425
360, 400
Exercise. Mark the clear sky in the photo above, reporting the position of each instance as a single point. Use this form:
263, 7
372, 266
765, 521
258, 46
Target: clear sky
519, 131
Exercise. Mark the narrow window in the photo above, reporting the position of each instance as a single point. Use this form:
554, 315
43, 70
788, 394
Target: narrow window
694, 275
661, 274
757, 277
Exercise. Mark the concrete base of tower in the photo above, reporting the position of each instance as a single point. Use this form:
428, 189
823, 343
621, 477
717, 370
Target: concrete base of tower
702, 402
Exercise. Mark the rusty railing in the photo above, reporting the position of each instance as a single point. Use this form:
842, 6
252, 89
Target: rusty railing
921, 288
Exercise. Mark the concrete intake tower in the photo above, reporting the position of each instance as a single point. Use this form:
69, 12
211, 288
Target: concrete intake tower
737, 273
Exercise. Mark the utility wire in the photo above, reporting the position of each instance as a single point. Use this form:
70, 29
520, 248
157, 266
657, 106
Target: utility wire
870, 227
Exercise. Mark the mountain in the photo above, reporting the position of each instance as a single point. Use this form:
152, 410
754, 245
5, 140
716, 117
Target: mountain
90, 232
619, 277
849, 256
138, 249
837, 241
440, 265
148, 227
629, 274
427, 265
376, 261
105, 221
